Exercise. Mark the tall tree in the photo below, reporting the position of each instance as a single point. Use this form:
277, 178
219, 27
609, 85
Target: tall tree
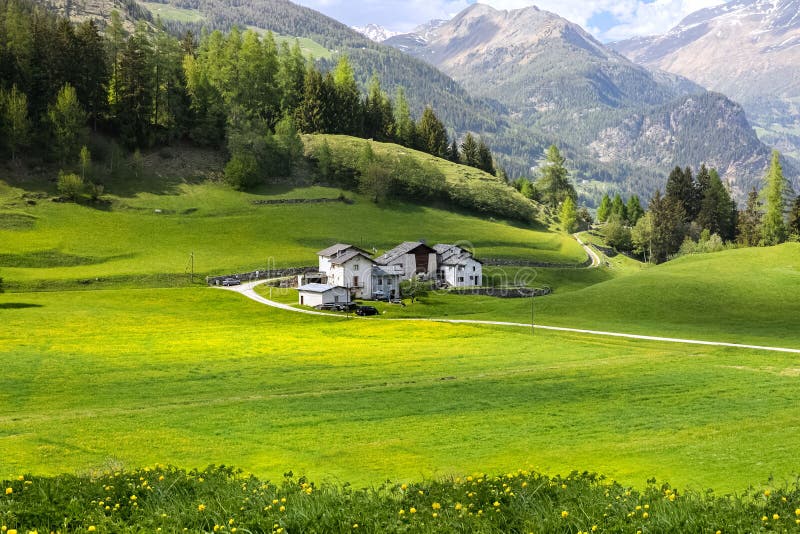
634, 210
604, 210
93, 72
310, 114
716, 207
133, 108
749, 227
485, 160
793, 226
773, 229
378, 113
14, 122
347, 111
669, 226
68, 121
469, 151
291, 75
554, 183
619, 209
568, 215
432, 134
682, 188
453, 153
404, 125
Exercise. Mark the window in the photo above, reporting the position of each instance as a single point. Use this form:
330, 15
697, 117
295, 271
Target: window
355, 281
355, 267
473, 268
336, 298
380, 281
460, 278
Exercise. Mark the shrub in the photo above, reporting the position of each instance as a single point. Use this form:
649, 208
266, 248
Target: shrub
617, 234
241, 172
70, 185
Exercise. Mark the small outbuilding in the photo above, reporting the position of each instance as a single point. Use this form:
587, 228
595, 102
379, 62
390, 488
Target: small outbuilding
322, 294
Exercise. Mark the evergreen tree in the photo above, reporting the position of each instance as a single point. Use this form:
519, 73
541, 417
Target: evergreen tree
793, 226
347, 113
288, 139
554, 184
68, 121
404, 126
93, 72
773, 229
432, 134
634, 210
453, 154
309, 114
568, 215
115, 34
716, 208
668, 226
133, 109
604, 210
469, 151
14, 123
207, 106
485, 160
378, 113
681, 188
618, 208
749, 227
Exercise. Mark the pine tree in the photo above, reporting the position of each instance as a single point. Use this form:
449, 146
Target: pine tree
485, 160
453, 154
568, 215
716, 207
793, 225
309, 114
604, 210
404, 126
749, 227
773, 229
634, 209
618, 208
93, 75
378, 113
668, 226
681, 188
553, 183
469, 151
291, 76
133, 109
432, 134
347, 110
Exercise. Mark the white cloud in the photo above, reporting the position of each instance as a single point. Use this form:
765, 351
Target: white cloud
635, 17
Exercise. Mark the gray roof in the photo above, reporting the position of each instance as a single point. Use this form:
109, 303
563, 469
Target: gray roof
400, 250
316, 288
377, 271
338, 249
453, 255
349, 255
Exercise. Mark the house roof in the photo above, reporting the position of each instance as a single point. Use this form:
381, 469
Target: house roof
377, 271
337, 250
349, 255
400, 250
453, 255
316, 288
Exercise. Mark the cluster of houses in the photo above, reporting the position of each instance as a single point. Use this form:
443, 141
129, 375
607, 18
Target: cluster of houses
347, 272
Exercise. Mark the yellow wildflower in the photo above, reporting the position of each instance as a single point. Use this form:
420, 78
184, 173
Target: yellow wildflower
645, 515
435, 515
403, 487
282, 509
775, 517
496, 504
201, 507
564, 514
436, 506
91, 528
412, 510
9, 491
459, 506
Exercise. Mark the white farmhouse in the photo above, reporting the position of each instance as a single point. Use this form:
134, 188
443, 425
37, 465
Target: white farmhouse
352, 270
321, 294
410, 259
333, 252
458, 267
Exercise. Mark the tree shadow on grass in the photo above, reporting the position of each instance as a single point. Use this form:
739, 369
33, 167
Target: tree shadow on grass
17, 305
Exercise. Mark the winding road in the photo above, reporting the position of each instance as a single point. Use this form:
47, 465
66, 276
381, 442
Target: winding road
248, 290
596, 261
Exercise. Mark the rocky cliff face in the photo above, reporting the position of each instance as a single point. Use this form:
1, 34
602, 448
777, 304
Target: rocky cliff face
556, 77
748, 50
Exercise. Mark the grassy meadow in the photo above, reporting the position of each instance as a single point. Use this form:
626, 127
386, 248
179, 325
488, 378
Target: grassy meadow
116, 379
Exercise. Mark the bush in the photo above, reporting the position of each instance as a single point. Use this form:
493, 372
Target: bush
241, 172
617, 234
70, 185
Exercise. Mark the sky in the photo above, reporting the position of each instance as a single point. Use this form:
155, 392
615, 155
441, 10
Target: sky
608, 20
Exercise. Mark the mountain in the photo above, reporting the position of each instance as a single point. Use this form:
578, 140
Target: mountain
746, 49
555, 77
376, 33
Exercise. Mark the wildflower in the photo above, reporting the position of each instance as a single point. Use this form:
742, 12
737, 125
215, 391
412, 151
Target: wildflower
11, 531
436, 506
775, 517
564, 514
91, 528
404, 487
563, 486
524, 484
231, 521
671, 496
496, 504
161, 478
435, 515
9, 491
355, 525
133, 497
638, 508
282, 509
645, 515
401, 512
797, 512
201, 507
459, 506
767, 493
764, 518
594, 528
20, 478
719, 532
412, 510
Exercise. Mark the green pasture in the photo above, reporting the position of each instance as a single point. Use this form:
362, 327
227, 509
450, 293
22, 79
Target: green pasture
147, 238
169, 12
125, 378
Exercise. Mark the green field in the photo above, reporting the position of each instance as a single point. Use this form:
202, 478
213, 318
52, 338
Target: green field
168, 12
101, 379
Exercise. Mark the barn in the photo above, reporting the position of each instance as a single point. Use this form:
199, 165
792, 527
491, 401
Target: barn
322, 294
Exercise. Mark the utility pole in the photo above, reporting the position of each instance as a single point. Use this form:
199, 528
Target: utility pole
533, 296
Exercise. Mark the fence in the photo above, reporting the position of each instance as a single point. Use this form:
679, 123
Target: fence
266, 274
503, 292
544, 265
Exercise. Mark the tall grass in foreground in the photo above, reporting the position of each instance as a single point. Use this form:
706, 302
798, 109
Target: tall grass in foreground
220, 499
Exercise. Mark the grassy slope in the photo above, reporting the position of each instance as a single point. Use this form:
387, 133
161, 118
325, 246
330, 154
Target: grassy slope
744, 296
132, 243
195, 376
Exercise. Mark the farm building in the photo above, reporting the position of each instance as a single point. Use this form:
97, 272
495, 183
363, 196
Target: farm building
329, 254
458, 267
410, 259
320, 294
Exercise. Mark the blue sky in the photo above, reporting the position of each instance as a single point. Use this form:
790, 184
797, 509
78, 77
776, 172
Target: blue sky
606, 19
